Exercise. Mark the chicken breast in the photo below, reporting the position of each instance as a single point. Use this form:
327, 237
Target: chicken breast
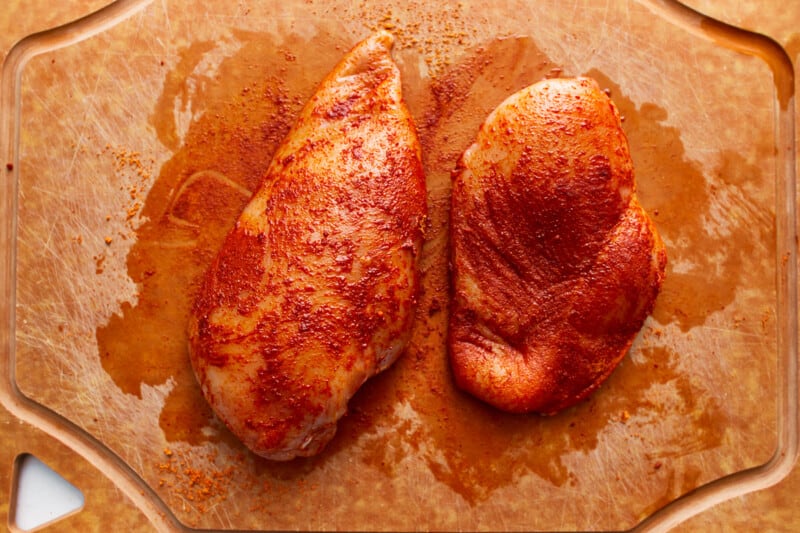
313, 291
555, 265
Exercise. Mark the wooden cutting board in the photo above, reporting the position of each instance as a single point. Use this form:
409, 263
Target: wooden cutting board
139, 145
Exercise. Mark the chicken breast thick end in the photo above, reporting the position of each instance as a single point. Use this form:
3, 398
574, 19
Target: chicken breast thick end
555, 265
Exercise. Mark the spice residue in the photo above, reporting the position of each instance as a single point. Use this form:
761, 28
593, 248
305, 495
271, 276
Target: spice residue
201, 486
138, 174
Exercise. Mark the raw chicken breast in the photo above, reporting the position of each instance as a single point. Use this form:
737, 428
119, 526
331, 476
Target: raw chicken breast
314, 289
555, 265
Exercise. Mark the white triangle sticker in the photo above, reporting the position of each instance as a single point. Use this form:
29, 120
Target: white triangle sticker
40, 495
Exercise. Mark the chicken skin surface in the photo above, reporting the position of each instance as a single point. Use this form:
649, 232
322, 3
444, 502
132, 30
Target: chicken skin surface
555, 265
314, 289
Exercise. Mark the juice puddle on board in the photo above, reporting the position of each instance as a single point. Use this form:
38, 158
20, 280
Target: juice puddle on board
244, 109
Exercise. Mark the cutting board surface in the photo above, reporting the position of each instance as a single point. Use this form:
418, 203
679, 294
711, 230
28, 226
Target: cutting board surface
140, 145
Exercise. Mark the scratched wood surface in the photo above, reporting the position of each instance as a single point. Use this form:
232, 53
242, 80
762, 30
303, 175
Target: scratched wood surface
105, 238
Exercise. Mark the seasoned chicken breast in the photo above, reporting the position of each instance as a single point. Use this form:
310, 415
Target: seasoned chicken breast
555, 265
313, 291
